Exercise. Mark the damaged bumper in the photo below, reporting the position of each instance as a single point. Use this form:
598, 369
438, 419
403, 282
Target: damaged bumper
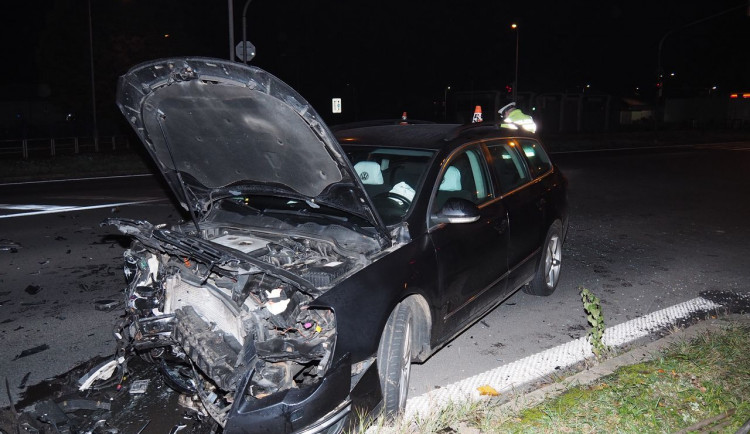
297, 410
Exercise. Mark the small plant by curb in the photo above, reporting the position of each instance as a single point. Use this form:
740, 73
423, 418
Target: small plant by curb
595, 317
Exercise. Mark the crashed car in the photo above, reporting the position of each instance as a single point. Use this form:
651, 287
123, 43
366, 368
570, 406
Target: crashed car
315, 266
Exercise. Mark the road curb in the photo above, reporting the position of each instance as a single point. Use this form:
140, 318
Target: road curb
516, 377
643, 353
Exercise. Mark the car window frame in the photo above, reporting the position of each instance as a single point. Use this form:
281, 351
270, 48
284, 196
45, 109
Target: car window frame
489, 179
527, 159
521, 158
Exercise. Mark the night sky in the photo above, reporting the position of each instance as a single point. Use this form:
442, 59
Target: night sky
387, 55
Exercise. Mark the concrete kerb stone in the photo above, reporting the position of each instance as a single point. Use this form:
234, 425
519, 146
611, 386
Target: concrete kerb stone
547, 366
672, 324
640, 354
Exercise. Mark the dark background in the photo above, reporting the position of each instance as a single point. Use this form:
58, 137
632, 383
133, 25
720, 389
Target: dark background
381, 57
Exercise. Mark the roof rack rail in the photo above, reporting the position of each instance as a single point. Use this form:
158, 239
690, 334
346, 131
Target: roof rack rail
460, 129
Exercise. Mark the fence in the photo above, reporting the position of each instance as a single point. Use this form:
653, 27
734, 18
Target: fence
49, 147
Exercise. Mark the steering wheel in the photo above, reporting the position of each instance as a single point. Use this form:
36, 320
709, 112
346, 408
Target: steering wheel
402, 201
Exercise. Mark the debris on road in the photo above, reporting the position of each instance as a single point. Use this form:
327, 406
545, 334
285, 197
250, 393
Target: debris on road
57, 404
101, 372
24, 380
33, 289
139, 387
106, 305
487, 390
177, 428
71, 405
9, 246
32, 351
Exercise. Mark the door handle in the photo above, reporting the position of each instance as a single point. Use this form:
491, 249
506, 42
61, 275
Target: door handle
540, 204
500, 225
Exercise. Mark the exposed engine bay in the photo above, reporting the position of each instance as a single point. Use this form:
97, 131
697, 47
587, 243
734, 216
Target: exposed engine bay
232, 311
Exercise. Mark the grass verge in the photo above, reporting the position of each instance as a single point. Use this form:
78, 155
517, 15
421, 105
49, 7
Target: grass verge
702, 385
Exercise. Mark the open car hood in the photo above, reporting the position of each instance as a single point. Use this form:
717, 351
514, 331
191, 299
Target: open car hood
217, 128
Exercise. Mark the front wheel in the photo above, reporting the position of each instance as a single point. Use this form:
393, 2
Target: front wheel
394, 360
547, 273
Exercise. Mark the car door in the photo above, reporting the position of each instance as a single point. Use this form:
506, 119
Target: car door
471, 257
525, 203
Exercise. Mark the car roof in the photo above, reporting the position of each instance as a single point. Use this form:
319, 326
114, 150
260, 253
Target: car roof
422, 136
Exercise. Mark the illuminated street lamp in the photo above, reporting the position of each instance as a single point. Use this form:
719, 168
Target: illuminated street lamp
514, 26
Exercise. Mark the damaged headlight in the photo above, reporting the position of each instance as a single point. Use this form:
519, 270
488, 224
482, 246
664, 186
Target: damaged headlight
297, 356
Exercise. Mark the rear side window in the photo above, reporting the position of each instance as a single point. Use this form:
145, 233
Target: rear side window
507, 164
537, 158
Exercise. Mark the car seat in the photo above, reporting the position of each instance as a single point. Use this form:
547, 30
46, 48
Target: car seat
450, 186
371, 176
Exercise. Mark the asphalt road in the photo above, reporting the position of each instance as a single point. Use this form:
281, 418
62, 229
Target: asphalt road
648, 230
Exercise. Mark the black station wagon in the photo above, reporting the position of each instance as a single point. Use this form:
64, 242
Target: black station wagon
318, 266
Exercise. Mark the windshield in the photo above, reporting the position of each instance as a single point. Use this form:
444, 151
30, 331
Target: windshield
391, 177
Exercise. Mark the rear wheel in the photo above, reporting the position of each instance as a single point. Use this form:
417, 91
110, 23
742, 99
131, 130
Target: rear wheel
548, 271
394, 359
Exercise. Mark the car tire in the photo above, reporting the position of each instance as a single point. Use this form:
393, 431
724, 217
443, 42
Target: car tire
394, 360
547, 273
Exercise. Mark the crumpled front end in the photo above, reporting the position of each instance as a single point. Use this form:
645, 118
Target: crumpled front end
231, 318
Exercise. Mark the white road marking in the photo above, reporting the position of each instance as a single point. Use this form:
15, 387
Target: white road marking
720, 145
59, 209
95, 178
730, 146
536, 367
32, 207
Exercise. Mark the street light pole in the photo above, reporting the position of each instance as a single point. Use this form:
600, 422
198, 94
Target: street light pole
514, 26
230, 7
93, 86
244, 31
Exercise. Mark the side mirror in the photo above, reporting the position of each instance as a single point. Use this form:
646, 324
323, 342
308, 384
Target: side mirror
457, 210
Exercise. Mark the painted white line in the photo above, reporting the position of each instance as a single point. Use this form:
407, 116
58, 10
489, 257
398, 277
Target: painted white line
536, 367
640, 148
78, 208
94, 178
31, 207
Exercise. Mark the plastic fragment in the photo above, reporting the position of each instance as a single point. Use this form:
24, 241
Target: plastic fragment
277, 307
487, 390
32, 351
139, 386
24, 380
106, 305
101, 372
